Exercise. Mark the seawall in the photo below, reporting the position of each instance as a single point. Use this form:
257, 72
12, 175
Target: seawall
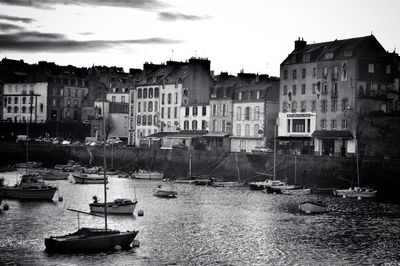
311, 171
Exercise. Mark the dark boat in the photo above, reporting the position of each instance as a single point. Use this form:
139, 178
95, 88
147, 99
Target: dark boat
31, 187
92, 239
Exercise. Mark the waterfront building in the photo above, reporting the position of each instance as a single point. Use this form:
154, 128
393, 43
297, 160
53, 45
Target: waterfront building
25, 102
255, 108
326, 87
166, 95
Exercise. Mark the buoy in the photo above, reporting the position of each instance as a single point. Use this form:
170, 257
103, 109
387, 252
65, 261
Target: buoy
344, 196
140, 213
6, 207
359, 198
136, 243
60, 198
117, 247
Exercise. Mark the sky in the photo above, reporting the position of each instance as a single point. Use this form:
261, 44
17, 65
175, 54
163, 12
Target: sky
254, 36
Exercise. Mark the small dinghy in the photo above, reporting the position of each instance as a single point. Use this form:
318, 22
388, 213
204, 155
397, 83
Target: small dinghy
313, 207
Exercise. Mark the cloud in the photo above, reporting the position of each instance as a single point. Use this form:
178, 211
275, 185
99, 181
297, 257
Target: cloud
33, 41
8, 27
172, 16
19, 19
45, 4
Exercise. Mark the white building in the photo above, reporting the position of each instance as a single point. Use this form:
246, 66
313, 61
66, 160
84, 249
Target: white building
170, 103
195, 117
25, 102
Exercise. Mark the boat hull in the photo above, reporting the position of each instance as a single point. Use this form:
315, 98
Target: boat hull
354, 193
165, 193
305, 191
87, 180
312, 207
149, 175
31, 193
112, 209
90, 243
279, 189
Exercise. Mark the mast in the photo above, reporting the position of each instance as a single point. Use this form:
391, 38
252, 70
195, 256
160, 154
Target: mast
27, 147
295, 168
104, 166
190, 165
274, 152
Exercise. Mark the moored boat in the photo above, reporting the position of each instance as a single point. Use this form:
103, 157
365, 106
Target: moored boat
297, 191
118, 206
86, 179
260, 185
356, 192
313, 207
143, 174
31, 187
164, 192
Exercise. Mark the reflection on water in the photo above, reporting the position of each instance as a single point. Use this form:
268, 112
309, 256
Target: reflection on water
207, 226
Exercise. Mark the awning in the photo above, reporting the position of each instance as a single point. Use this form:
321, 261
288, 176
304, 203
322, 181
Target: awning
216, 135
332, 134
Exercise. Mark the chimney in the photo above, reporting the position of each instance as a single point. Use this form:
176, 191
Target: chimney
299, 44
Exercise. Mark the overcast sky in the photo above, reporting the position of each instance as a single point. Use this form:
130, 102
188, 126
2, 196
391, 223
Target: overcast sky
254, 35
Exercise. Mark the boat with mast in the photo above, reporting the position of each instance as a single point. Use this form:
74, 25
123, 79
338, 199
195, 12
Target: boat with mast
92, 239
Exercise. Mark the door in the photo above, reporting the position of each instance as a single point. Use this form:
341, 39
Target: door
328, 147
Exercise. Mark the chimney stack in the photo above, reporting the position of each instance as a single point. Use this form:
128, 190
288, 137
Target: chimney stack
299, 44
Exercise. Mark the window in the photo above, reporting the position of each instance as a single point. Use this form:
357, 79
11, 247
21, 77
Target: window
162, 112
9, 109
294, 89
388, 69
16, 100
15, 109
345, 104
69, 103
324, 88
306, 57
204, 111
294, 106
144, 106
314, 86
144, 93
240, 95
247, 130
214, 109
371, 68
194, 124
256, 113
256, 129
325, 72
323, 124
149, 120
324, 106
303, 88
214, 124
335, 72
334, 90
144, 118
23, 109
113, 99
176, 98
303, 73
162, 98
314, 72
155, 120
151, 93
194, 110
239, 113
294, 74
175, 112
169, 112
150, 106
139, 93
186, 125
75, 103
299, 125
247, 113
328, 55
122, 99
258, 95
303, 106
348, 53
69, 92
156, 106
284, 90
138, 107
238, 130
76, 92
224, 110
284, 107
169, 98
334, 106
285, 75
344, 124
187, 110
334, 124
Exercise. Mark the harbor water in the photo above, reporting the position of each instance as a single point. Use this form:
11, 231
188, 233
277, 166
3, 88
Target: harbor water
206, 226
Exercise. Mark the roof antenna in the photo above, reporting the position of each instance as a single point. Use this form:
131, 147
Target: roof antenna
172, 54
372, 33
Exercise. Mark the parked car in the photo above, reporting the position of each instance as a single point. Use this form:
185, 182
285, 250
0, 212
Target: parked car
180, 146
22, 138
66, 142
261, 149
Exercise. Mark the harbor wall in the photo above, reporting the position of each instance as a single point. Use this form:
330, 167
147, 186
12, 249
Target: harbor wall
308, 170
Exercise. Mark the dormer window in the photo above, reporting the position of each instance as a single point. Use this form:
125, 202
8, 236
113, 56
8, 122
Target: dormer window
306, 57
328, 55
293, 59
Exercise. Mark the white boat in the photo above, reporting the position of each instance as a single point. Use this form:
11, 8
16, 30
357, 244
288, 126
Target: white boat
143, 174
260, 185
227, 184
313, 207
297, 191
118, 206
356, 192
86, 179
165, 192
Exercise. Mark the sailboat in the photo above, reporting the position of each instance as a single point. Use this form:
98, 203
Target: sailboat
30, 187
297, 190
92, 239
358, 191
